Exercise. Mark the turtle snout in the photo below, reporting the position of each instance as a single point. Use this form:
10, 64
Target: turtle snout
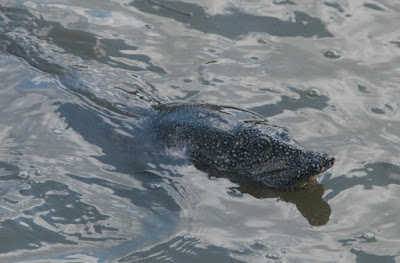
330, 160
323, 162
318, 162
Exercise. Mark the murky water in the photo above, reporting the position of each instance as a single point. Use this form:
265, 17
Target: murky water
77, 182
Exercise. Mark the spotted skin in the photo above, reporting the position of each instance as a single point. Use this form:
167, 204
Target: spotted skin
240, 142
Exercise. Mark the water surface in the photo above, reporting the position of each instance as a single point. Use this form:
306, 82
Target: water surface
79, 182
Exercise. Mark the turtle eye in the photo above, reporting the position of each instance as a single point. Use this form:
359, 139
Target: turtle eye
261, 144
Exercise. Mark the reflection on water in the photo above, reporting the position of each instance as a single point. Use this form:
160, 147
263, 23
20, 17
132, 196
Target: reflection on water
371, 175
363, 257
222, 24
308, 201
303, 100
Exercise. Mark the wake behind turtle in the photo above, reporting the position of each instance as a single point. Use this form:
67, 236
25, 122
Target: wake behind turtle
238, 142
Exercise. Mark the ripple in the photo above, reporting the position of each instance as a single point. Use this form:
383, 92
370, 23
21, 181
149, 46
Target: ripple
314, 93
332, 54
234, 192
272, 256
58, 132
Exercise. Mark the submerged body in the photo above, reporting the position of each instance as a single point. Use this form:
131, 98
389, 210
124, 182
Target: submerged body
238, 142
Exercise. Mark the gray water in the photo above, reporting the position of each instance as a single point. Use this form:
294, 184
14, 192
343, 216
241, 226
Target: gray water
78, 185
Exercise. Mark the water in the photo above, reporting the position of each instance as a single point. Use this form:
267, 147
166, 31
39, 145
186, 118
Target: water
76, 184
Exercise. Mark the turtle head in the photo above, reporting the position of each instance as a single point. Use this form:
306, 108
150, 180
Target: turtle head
270, 155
